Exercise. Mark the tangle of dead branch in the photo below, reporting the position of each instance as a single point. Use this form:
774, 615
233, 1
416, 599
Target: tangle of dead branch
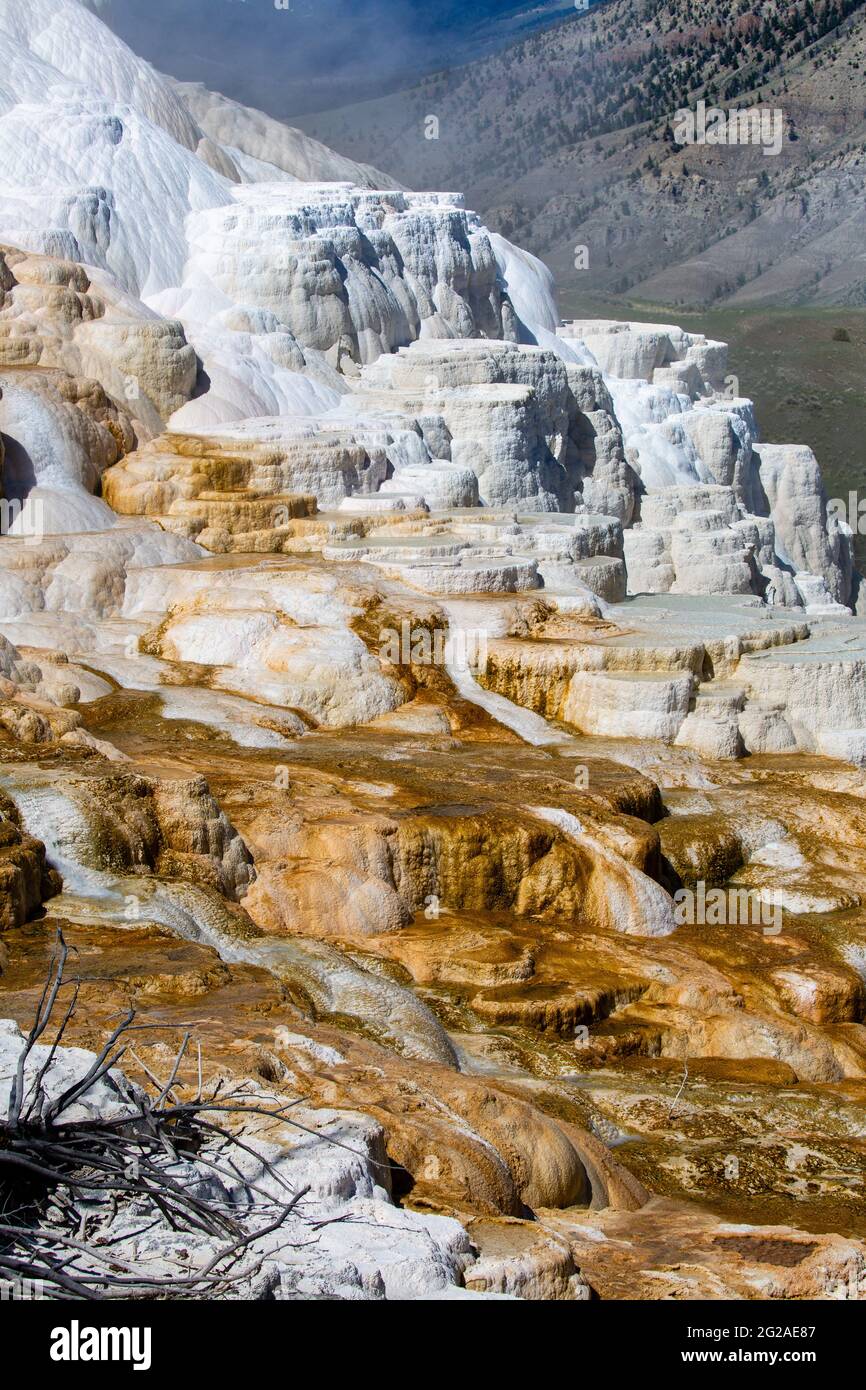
62, 1177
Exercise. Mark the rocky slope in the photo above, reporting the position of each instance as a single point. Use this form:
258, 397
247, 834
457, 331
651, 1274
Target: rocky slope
384, 664
565, 142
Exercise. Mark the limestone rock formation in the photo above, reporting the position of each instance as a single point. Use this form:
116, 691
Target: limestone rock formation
25, 878
460, 713
253, 139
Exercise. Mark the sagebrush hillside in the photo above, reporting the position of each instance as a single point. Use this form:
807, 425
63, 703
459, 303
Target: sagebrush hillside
563, 140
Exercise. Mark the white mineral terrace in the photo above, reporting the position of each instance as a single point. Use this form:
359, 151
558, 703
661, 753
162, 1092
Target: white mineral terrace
270, 427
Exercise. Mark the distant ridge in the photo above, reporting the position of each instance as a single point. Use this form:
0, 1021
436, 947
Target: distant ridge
564, 140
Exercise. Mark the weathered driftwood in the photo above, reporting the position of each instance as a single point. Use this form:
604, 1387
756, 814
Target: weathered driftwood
49, 1165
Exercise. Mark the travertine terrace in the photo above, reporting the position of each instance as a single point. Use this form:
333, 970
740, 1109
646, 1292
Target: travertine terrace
383, 665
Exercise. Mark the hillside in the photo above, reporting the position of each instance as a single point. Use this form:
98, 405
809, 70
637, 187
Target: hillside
563, 140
